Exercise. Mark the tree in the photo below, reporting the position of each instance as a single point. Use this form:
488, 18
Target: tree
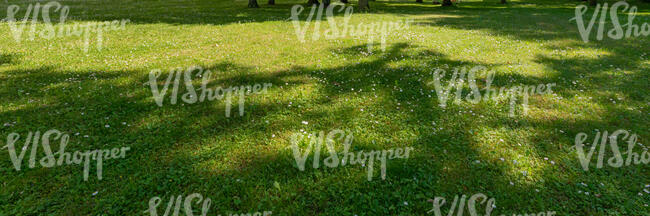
418, 1
593, 2
326, 3
313, 2
271, 2
363, 5
253, 4
344, 1
446, 2
503, 1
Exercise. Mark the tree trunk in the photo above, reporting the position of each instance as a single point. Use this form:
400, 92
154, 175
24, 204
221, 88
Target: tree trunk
446, 2
593, 2
313, 2
271, 2
418, 1
253, 4
363, 5
344, 1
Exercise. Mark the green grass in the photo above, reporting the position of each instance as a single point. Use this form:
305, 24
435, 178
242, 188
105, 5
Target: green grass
237, 161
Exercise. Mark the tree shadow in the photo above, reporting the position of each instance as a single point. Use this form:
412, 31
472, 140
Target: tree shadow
201, 12
183, 148
188, 148
8, 59
175, 12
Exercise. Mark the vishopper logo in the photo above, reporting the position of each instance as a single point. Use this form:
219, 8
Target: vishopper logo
617, 160
344, 29
316, 143
458, 206
206, 93
187, 206
629, 29
61, 29
32, 141
461, 75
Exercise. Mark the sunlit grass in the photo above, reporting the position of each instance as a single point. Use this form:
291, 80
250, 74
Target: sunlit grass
383, 97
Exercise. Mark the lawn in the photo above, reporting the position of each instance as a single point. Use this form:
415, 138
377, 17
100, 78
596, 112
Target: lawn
244, 163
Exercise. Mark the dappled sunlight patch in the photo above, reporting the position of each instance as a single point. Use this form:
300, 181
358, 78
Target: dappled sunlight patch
439, 16
574, 109
562, 51
515, 152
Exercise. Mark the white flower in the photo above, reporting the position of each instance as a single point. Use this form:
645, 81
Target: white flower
107, 126
305, 122
95, 193
406, 203
511, 183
